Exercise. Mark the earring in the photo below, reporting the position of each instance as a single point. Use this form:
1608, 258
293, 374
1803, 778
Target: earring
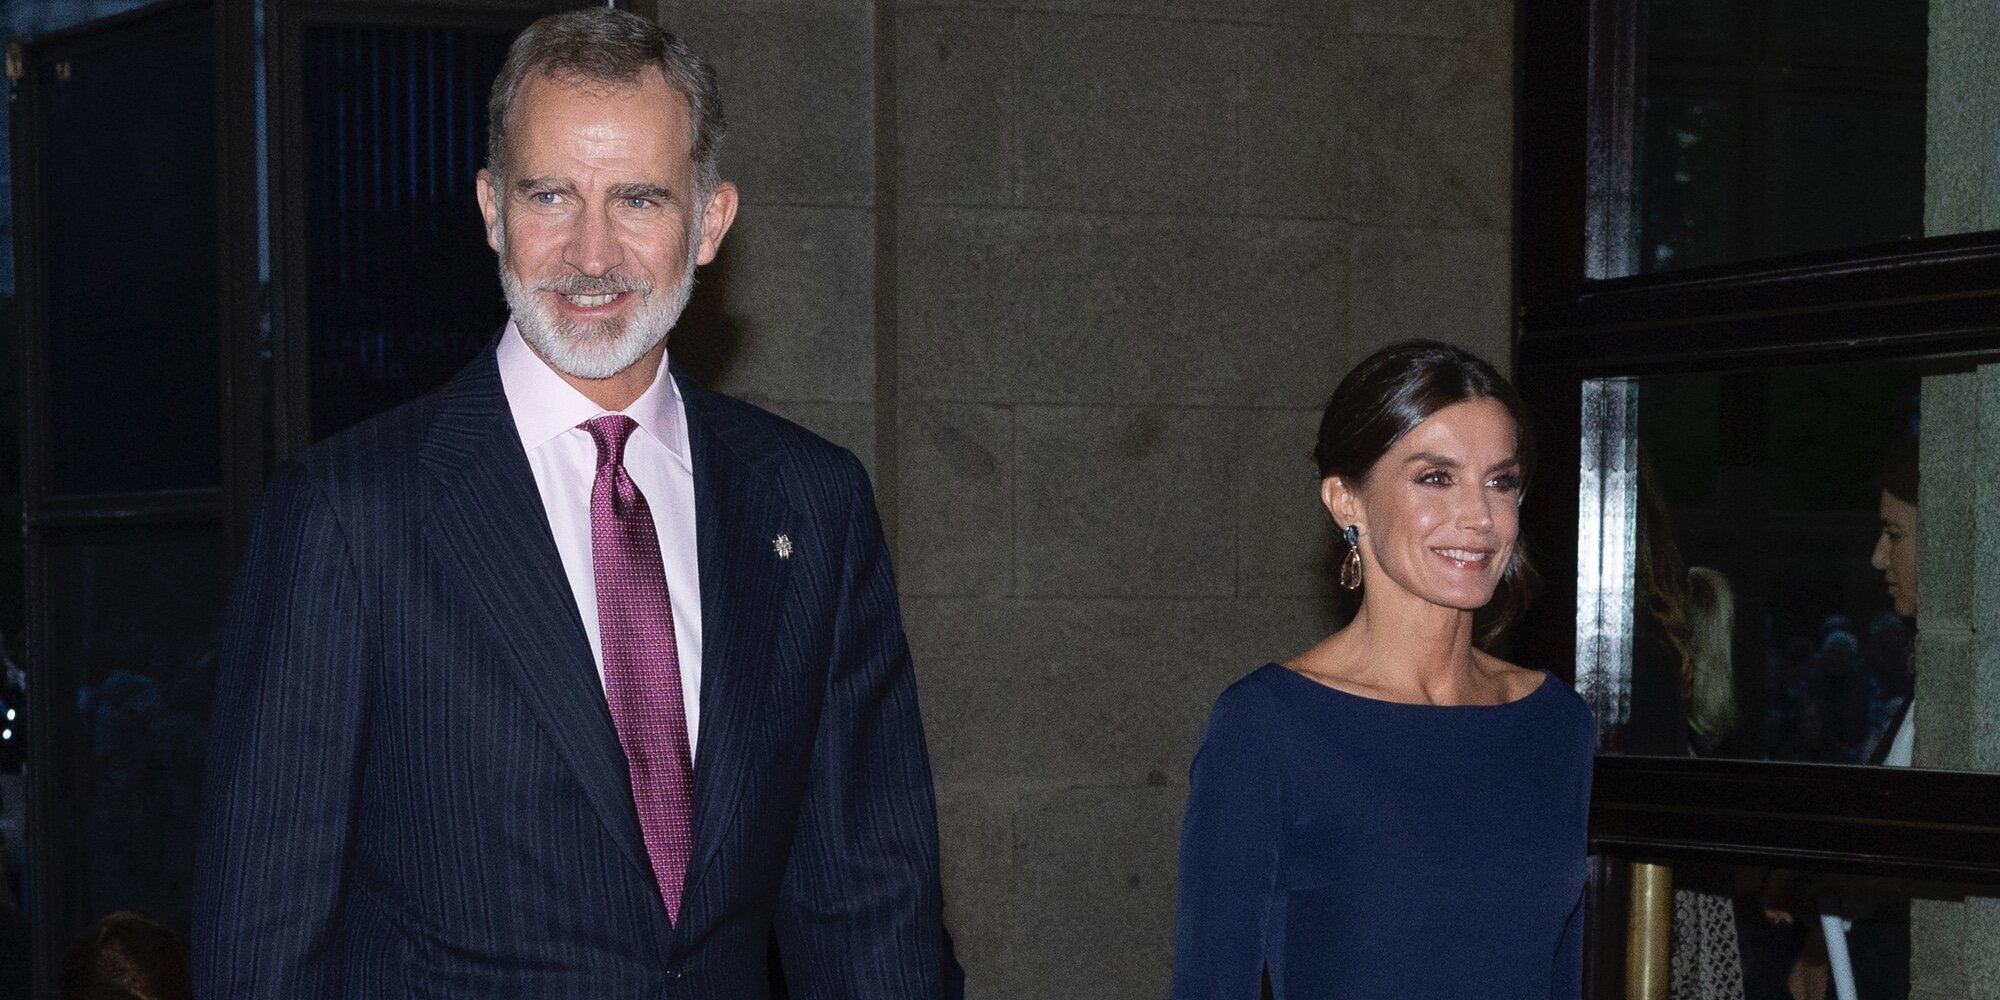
1350, 567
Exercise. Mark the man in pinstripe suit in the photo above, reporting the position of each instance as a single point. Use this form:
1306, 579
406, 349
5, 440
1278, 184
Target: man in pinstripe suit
573, 679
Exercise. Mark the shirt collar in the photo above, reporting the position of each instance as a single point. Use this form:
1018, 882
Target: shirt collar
545, 406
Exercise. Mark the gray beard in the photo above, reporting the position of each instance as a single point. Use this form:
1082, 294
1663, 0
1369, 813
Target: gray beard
602, 349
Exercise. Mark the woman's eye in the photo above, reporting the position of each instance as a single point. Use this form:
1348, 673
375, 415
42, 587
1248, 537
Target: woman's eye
1508, 484
1435, 478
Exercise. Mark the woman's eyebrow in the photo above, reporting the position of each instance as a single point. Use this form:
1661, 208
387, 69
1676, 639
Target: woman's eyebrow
1433, 458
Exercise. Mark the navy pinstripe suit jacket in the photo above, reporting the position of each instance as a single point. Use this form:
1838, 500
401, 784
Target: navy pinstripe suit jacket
414, 788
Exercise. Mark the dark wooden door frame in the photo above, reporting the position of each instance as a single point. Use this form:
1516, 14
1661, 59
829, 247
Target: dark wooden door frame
290, 353
1936, 298
51, 830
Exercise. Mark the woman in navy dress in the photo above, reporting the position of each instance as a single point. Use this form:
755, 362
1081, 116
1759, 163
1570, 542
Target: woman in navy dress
1396, 813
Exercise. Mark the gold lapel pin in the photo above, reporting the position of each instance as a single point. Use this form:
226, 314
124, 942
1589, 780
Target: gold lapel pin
782, 545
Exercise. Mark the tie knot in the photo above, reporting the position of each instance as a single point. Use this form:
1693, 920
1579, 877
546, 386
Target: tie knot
610, 432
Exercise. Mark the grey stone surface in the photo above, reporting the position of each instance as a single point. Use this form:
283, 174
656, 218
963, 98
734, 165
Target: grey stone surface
956, 106
1076, 692
1009, 307
1946, 688
849, 425
1271, 300
983, 900
973, 687
1432, 18
1293, 120
1982, 966
1231, 11
1308, 13
1085, 692
787, 311
956, 467
1431, 132
1937, 950
1100, 865
1284, 537
1961, 182
1982, 751
798, 86
1126, 114
1953, 944
1123, 502
1983, 957
1444, 284
1126, 280
1127, 683
1948, 568
1948, 652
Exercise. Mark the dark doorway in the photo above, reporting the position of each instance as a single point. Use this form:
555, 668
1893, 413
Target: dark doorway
240, 226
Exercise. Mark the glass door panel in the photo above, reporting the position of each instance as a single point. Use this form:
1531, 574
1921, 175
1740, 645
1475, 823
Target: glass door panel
128, 662
128, 243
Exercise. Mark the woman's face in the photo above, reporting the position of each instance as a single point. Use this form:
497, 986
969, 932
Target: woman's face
1896, 553
1440, 512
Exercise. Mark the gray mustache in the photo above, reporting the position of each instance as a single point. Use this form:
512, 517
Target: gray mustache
583, 284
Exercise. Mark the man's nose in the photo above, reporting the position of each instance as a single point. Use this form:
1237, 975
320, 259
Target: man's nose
593, 245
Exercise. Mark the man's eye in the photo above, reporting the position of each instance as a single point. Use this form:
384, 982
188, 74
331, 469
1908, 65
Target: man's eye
638, 203
544, 197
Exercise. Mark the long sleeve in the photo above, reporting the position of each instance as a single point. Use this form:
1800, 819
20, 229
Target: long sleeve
1566, 978
860, 909
282, 776
1229, 852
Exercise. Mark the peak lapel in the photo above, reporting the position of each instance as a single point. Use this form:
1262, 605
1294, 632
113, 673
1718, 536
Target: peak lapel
491, 530
739, 516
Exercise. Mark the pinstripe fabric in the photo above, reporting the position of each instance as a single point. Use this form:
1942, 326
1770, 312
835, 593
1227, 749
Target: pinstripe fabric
414, 786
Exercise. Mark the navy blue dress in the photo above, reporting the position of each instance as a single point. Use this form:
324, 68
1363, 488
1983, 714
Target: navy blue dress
1367, 849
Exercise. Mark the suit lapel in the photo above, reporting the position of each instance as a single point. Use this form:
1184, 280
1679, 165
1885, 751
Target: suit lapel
739, 515
491, 529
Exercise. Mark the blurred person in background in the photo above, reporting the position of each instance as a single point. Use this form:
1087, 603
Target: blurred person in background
126, 957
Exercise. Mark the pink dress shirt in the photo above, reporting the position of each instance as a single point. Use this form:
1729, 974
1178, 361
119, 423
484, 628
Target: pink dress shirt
547, 413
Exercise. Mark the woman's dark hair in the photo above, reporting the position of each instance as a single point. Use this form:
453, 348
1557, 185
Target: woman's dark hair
1899, 470
1392, 391
126, 957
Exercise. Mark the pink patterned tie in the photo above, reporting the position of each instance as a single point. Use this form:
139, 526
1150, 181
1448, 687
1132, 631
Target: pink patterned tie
642, 669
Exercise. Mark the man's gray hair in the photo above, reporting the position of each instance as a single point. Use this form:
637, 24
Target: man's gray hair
607, 46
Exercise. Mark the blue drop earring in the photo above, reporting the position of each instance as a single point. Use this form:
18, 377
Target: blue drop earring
1350, 567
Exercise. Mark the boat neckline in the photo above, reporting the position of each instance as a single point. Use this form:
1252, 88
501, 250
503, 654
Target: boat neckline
1548, 681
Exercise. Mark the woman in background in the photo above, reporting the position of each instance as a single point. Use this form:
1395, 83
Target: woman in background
1396, 812
1684, 704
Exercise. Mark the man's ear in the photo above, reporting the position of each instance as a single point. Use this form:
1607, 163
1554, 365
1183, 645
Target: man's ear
489, 207
1341, 501
715, 219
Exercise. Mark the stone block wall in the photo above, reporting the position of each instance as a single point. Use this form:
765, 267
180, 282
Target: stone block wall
1074, 277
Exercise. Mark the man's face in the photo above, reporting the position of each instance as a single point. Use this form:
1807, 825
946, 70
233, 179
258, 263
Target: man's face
596, 221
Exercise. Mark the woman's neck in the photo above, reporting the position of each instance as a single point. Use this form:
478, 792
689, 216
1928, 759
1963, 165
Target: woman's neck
1415, 650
